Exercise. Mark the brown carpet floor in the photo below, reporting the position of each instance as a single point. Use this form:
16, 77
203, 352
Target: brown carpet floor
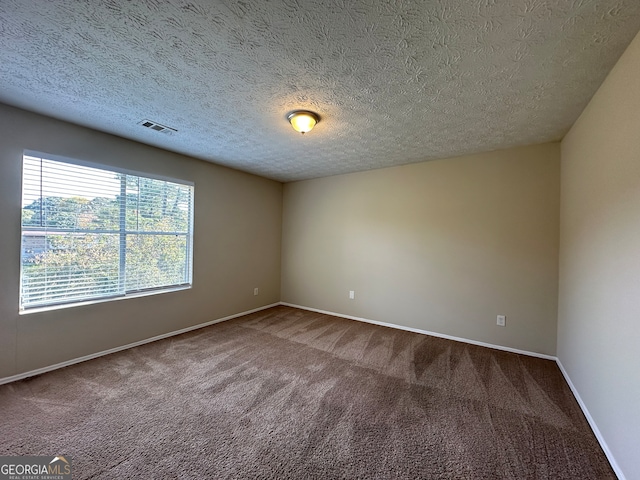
290, 394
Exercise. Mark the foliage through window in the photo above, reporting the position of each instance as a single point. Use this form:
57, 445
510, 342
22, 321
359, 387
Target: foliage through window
91, 233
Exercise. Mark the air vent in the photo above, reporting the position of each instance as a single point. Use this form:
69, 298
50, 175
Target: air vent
157, 126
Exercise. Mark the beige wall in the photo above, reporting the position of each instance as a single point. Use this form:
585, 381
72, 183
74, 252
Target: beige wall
237, 232
442, 246
599, 306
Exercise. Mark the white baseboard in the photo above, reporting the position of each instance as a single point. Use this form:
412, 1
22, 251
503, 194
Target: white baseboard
592, 423
39, 371
425, 332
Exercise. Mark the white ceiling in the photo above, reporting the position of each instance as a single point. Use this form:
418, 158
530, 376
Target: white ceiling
394, 81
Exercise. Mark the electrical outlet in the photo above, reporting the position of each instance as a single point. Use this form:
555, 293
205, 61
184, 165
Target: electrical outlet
352, 294
256, 291
501, 321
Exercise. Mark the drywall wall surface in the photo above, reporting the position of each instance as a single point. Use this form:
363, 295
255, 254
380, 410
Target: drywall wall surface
443, 246
237, 230
599, 299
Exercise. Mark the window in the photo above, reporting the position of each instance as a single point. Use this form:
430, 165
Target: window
91, 232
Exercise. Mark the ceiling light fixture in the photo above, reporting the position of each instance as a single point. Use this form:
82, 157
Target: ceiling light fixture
302, 120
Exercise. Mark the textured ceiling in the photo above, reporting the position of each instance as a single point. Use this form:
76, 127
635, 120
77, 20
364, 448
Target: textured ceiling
395, 82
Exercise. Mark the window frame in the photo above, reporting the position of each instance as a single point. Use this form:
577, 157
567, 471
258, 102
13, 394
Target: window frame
122, 232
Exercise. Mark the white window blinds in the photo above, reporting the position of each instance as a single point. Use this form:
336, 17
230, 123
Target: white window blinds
90, 233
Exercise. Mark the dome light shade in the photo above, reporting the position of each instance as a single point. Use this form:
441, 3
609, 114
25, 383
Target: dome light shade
302, 120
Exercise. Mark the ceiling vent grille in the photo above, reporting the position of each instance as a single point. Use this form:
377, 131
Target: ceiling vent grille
157, 126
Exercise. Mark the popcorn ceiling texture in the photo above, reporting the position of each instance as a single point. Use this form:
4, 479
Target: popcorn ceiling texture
395, 82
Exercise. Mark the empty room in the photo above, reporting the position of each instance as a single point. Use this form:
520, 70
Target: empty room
320, 239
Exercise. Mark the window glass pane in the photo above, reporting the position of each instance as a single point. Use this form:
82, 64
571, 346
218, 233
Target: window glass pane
59, 195
157, 205
70, 266
155, 260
